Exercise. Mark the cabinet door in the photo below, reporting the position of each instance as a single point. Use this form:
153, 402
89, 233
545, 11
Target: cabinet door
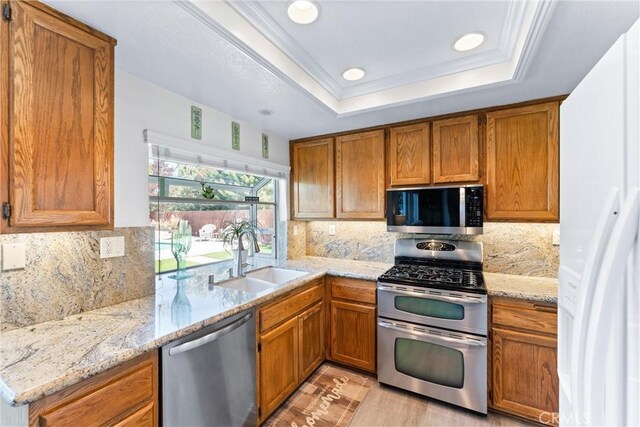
312, 348
278, 365
525, 379
409, 148
313, 179
353, 335
455, 150
360, 174
60, 145
523, 164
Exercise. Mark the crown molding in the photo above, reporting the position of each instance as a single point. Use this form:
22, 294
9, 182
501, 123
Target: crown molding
541, 17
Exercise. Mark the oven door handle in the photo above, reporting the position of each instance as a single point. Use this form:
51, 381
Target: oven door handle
434, 337
459, 300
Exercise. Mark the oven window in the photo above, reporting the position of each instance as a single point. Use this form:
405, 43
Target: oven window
429, 362
430, 307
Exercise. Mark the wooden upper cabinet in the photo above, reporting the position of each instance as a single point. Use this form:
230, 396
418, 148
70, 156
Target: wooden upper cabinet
522, 163
313, 179
456, 150
57, 138
409, 148
360, 175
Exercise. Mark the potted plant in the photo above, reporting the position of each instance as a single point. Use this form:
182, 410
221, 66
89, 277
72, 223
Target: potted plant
232, 230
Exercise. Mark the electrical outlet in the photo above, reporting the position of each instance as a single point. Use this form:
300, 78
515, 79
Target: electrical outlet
295, 230
332, 229
556, 237
13, 256
111, 247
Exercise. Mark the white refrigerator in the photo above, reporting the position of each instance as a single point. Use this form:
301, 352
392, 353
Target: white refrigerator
599, 294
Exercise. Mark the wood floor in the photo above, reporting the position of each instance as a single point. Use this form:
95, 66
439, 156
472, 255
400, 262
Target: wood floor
390, 407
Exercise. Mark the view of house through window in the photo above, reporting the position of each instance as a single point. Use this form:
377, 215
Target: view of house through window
175, 193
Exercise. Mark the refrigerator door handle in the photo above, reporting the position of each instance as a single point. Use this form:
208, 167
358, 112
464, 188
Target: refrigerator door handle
593, 263
608, 297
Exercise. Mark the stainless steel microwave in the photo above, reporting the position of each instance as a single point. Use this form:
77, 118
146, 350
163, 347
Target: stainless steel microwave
436, 210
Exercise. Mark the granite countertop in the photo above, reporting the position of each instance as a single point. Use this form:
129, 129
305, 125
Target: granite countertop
39, 360
540, 289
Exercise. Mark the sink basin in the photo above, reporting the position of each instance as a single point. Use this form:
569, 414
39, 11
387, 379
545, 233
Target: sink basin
275, 275
248, 284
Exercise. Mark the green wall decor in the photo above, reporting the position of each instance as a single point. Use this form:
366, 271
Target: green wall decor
265, 145
196, 122
235, 135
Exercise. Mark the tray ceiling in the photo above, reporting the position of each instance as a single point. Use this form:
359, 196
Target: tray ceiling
241, 57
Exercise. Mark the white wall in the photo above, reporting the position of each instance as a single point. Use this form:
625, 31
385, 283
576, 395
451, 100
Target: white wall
141, 105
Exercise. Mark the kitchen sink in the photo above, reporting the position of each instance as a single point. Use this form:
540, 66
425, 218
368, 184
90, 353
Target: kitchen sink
275, 275
249, 284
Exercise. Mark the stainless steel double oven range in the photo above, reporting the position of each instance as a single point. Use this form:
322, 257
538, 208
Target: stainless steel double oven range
432, 322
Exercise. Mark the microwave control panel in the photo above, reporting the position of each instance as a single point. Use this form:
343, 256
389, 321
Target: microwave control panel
474, 203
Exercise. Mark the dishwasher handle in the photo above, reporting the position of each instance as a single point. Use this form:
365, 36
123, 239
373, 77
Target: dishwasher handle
199, 342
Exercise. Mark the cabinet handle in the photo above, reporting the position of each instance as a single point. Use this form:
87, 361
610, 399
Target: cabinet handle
545, 308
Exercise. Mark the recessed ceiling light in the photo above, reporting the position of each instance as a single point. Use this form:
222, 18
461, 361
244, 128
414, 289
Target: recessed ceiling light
468, 42
353, 74
303, 11
265, 112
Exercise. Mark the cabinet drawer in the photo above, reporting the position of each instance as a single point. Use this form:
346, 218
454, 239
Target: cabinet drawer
122, 394
538, 317
275, 314
353, 290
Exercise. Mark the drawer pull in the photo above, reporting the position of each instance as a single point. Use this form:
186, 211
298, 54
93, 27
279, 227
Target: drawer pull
545, 308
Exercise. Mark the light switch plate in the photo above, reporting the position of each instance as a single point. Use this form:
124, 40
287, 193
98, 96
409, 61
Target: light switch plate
13, 256
332, 229
111, 247
295, 230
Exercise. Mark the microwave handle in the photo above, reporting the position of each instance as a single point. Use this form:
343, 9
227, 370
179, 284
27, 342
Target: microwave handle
463, 207
458, 300
433, 336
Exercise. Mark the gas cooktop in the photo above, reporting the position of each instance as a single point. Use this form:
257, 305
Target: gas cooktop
426, 276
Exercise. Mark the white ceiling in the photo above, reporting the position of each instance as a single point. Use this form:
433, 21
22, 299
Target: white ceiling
240, 57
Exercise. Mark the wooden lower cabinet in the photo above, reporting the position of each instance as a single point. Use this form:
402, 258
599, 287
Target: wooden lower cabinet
291, 344
524, 378
279, 358
126, 395
353, 323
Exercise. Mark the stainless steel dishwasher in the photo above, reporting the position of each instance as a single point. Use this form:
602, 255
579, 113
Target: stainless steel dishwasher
209, 377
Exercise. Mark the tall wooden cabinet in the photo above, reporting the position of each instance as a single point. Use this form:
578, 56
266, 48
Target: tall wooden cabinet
456, 150
408, 150
524, 358
522, 169
56, 95
360, 175
313, 179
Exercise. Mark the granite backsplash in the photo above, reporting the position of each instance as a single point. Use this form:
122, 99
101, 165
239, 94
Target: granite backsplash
65, 275
510, 248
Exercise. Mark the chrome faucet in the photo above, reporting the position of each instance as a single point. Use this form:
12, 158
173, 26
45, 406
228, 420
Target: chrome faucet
251, 236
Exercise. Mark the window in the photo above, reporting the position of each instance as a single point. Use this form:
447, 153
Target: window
175, 193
